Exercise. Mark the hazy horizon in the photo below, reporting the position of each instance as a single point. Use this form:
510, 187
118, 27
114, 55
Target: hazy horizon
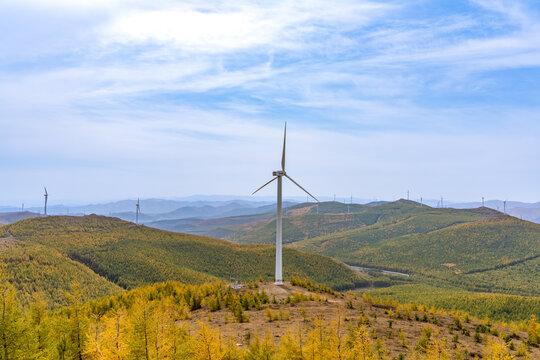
253, 199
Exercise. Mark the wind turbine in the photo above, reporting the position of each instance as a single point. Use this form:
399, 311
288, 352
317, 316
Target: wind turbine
46, 196
279, 174
137, 210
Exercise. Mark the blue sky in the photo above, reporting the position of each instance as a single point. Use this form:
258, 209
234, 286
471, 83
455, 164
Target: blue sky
103, 100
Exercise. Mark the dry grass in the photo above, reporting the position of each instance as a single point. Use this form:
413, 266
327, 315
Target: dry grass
302, 316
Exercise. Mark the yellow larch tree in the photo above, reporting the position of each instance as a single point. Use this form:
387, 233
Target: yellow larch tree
496, 350
361, 344
114, 344
207, 345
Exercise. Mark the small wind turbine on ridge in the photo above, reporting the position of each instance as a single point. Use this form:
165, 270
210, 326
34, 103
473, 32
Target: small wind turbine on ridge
279, 174
46, 196
137, 210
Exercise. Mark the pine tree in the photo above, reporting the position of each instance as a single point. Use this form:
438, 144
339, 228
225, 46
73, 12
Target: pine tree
11, 325
38, 331
496, 350
261, 350
207, 345
361, 344
76, 322
94, 343
290, 346
114, 340
339, 350
141, 329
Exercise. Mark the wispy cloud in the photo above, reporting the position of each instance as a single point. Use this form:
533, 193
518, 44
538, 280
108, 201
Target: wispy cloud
183, 90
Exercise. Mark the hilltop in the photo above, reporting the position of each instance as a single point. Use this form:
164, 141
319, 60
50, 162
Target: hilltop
11, 217
107, 255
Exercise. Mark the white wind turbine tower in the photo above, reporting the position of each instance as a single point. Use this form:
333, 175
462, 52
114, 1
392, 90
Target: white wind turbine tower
137, 211
46, 196
279, 174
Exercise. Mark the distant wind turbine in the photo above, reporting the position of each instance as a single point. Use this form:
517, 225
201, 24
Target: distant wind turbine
46, 196
137, 210
279, 174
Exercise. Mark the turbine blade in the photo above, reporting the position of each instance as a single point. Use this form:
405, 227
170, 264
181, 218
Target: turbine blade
264, 185
45, 190
297, 184
284, 141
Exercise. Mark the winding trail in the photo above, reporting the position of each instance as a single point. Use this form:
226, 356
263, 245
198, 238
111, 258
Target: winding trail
361, 269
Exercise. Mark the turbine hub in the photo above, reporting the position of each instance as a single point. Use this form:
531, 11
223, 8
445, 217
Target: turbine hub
279, 173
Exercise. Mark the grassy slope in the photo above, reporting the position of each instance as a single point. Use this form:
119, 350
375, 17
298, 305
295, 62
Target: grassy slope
130, 256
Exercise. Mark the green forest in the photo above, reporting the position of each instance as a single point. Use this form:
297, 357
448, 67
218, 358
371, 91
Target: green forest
499, 307
106, 255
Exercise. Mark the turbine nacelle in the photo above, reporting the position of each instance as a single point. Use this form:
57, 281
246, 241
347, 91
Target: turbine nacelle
279, 173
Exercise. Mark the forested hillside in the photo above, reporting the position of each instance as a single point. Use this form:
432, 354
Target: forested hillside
494, 253
302, 221
259, 321
475, 249
106, 254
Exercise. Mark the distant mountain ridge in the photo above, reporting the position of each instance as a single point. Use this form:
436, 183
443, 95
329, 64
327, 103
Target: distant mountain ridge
216, 206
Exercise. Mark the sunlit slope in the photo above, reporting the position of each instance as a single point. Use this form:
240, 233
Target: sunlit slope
462, 248
393, 220
478, 249
40, 271
129, 255
499, 307
369, 222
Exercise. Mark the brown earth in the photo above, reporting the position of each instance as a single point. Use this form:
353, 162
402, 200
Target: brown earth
302, 315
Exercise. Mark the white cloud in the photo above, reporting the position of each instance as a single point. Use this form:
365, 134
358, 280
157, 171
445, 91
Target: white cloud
233, 26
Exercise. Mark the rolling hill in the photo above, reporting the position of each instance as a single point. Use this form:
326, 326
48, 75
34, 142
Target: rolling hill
107, 254
303, 222
476, 249
11, 217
